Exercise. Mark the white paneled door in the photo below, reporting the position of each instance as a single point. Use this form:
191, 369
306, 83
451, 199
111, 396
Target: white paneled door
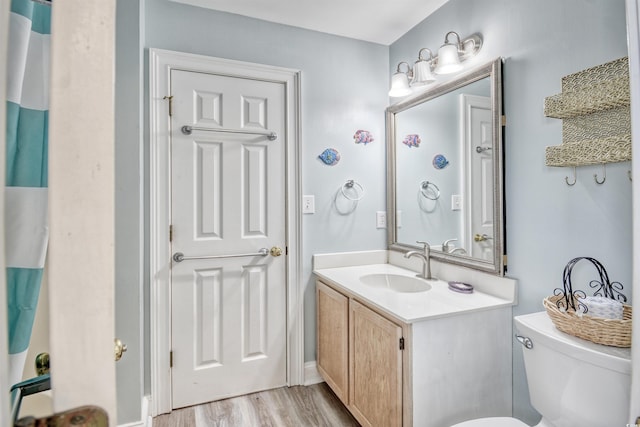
478, 145
228, 214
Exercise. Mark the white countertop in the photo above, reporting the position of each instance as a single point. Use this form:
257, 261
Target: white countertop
412, 307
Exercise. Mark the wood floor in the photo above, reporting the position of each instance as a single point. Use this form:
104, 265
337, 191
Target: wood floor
312, 406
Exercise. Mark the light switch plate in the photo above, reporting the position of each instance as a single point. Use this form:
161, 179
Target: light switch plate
456, 202
381, 219
308, 204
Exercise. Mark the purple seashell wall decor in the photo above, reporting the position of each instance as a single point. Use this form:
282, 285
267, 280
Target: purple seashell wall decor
363, 137
412, 140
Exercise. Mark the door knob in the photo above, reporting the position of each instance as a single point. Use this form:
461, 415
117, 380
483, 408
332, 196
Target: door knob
275, 251
481, 237
119, 349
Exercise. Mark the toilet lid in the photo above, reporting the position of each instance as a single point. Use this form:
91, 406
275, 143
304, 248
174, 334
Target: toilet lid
492, 422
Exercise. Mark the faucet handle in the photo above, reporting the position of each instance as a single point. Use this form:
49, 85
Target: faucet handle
425, 245
445, 245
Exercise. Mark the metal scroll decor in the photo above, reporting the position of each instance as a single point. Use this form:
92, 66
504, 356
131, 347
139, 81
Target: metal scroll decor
603, 287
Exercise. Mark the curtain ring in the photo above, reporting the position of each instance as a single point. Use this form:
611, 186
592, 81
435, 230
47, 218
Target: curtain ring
351, 184
424, 190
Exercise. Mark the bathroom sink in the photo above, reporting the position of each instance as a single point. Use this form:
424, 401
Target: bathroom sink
396, 282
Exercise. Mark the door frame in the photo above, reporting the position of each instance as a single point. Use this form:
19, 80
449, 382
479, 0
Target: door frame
161, 62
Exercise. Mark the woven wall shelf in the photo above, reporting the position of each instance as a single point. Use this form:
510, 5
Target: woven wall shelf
595, 113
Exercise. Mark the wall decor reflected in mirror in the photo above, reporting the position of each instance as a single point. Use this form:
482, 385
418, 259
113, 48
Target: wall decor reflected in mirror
447, 189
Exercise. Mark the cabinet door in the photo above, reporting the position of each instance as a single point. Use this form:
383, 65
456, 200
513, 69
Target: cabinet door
375, 369
332, 346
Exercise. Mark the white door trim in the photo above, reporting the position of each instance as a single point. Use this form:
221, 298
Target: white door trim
161, 62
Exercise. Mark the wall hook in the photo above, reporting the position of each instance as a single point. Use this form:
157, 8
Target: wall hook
575, 178
604, 177
630, 176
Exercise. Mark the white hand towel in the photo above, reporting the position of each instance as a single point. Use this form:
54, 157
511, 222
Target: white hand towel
603, 307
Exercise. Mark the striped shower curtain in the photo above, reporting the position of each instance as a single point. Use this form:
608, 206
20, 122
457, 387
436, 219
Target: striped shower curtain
26, 230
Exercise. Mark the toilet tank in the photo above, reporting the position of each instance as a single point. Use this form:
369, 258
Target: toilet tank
574, 382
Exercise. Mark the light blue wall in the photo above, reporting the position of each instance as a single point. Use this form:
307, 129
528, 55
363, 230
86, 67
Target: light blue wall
343, 89
548, 223
129, 209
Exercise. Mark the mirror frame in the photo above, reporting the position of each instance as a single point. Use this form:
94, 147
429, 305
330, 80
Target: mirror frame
493, 71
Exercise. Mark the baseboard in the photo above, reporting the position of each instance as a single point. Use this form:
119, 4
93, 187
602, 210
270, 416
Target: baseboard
311, 374
146, 420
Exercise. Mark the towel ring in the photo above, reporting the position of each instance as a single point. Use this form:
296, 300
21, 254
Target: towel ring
424, 190
351, 184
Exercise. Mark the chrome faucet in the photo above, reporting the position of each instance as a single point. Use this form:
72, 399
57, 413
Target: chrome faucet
445, 245
425, 256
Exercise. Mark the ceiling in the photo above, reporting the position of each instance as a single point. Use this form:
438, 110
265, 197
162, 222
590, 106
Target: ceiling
378, 21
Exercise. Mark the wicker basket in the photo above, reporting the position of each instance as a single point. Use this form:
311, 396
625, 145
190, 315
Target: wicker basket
611, 332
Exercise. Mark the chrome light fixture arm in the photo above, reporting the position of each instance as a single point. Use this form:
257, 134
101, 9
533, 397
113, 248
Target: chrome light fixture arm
420, 58
468, 47
409, 71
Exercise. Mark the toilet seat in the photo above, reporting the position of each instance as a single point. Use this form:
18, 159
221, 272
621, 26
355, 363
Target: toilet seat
492, 422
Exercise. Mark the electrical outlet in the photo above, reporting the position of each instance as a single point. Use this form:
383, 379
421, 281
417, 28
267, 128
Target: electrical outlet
456, 202
308, 204
399, 219
381, 219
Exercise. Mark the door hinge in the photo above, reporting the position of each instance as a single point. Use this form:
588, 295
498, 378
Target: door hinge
503, 120
286, 250
401, 343
171, 359
171, 233
170, 98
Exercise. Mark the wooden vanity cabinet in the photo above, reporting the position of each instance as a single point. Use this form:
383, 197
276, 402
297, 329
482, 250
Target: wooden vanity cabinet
430, 373
375, 368
360, 356
332, 310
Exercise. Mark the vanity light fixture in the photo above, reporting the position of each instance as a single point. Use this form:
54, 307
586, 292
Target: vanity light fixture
451, 55
400, 81
419, 75
422, 69
449, 60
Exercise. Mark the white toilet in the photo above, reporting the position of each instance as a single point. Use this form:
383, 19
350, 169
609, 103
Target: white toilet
572, 382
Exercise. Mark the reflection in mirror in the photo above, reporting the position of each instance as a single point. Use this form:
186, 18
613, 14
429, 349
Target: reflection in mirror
445, 170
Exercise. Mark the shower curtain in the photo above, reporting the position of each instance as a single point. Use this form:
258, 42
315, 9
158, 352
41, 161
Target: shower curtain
26, 230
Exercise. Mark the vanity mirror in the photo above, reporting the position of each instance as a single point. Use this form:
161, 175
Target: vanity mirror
445, 170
